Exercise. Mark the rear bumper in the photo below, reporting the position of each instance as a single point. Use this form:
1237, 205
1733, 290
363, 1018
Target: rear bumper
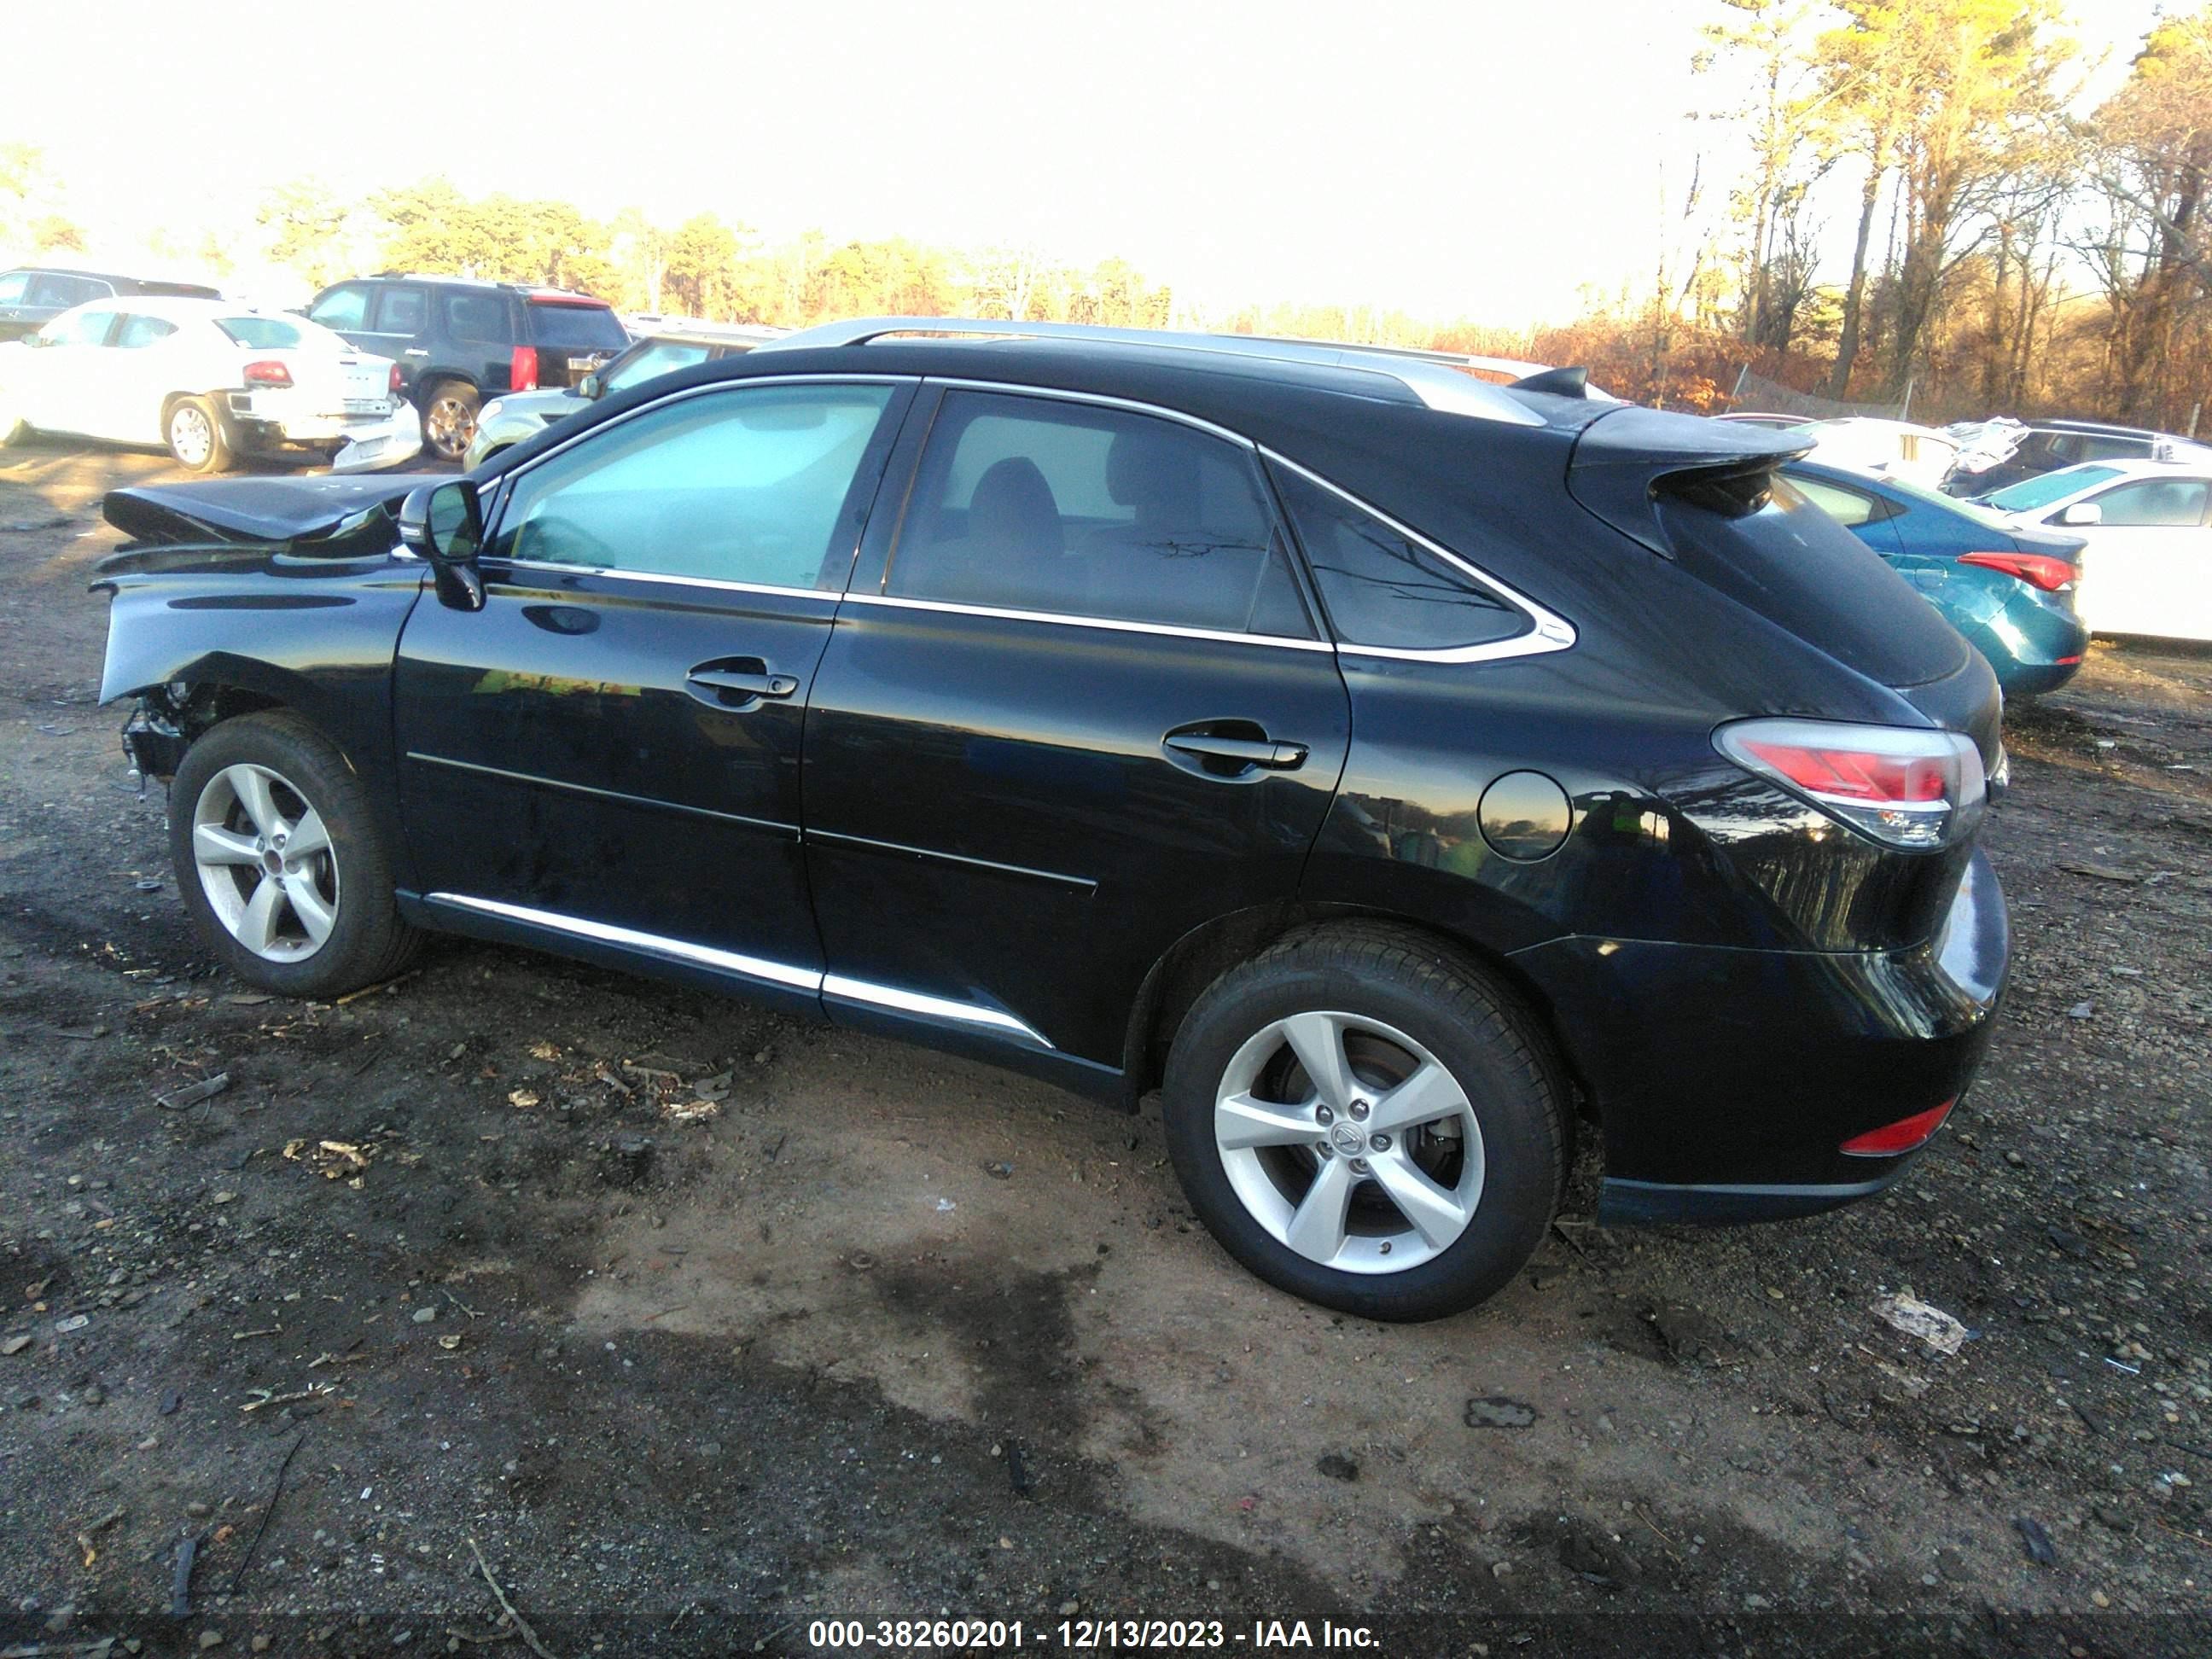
359, 443
1727, 1081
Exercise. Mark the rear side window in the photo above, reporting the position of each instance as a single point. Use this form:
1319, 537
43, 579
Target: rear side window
342, 309
481, 318
1848, 508
81, 328
2153, 503
13, 286
261, 333
1035, 504
402, 311
1384, 590
656, 357
570, 327
138, 331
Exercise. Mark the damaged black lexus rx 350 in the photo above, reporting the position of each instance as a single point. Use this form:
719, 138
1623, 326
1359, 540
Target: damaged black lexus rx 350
1406, 773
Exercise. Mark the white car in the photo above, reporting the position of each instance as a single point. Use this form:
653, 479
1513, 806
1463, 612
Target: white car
1899, 449
2148, 567
210, 378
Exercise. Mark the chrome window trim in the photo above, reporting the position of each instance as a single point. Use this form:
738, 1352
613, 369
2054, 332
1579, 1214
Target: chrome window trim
534, 780
1127, 406
1112, 625
750, 967
760, 968
829, 596
1548, 631
917, 1002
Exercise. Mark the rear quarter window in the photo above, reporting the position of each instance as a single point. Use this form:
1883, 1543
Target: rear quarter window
574, 327
478, 317
260, 333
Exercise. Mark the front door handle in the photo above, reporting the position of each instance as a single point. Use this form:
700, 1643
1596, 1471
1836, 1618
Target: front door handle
749, 685
1239, 751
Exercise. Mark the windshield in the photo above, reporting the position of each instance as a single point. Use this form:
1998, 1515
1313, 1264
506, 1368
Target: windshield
2030, 494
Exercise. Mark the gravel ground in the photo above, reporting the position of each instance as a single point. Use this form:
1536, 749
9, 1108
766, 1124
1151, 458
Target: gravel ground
701, 1325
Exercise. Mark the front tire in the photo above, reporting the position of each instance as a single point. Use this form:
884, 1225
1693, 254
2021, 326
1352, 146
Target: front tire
280, 861
1367, 1121
193, 430
449, 419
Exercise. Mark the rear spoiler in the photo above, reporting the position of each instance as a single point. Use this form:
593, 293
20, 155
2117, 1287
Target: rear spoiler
1629, 456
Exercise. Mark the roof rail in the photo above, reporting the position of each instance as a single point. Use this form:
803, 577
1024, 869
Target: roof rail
1425, 377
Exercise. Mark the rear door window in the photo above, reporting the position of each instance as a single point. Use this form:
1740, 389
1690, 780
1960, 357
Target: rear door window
13, 286
139, 332
655, 357
1071, 509
1848, 508
2153, 504
343, 307
402, 309
480, 319
82, 328
1383, 589
50, 287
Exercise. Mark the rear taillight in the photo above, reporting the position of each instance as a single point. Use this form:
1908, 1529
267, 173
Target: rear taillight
522, 371
392, 384
1903, 785
1902, 1136
2036, 569
268, 373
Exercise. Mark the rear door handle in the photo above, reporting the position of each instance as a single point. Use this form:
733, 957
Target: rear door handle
1243, 751
749, 685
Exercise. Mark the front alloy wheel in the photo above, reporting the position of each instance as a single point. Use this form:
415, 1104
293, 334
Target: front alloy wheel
265, 863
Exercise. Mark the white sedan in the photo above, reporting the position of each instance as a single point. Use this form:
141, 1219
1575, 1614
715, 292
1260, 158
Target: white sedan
210, 378
2148, 567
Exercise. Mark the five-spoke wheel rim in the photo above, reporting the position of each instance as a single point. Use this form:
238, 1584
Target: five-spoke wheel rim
190, 436
1349, 1142
265, 863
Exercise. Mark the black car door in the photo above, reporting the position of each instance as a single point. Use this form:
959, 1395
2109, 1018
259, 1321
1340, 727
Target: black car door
607, 752
1073, 707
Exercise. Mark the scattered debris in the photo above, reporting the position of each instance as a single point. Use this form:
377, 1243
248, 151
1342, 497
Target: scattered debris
15, 1345
1908, 1313
266, 1330
276, 1491
180, 1580
2102, 872
1017, 1470
1337, 1467
333, 1160
1498, 1410
2082, 1011
268, 1397
2032, 1534
371, 990
520, 1624
1002, 1171
192, 1093
74, 1323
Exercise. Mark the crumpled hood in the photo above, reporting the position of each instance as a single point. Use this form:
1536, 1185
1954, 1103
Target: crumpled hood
259, 509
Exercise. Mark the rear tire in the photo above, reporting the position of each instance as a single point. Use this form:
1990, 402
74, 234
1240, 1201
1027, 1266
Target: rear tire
1324, 1181
449, 419
281, 860
193, 429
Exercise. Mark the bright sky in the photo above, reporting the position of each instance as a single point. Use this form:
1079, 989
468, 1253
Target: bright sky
1485, 158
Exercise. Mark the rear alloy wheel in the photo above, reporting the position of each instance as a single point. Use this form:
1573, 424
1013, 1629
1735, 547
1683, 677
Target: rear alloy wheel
281, 860
195, 435
449, 419
1366, 1122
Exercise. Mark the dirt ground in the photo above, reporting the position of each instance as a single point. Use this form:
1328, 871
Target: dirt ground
704, 1326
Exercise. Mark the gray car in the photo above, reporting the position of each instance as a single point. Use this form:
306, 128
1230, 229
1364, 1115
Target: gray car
507, 420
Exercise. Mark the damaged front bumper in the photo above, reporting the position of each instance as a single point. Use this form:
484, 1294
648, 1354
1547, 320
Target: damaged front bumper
153, 741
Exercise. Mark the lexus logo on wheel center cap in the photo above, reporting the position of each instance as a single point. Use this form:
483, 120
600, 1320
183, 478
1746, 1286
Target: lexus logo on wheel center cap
1347, 1137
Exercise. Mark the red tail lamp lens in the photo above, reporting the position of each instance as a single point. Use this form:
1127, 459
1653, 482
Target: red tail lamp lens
1858, 775
2036, 569
268, 373
1902, 1136
522, 371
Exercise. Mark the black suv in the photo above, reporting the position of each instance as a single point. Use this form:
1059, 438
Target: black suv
32, 295
1405, 774
457, 342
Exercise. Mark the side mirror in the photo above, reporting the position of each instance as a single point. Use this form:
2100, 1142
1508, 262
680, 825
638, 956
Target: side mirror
443, 524
2083, 513
588, 387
